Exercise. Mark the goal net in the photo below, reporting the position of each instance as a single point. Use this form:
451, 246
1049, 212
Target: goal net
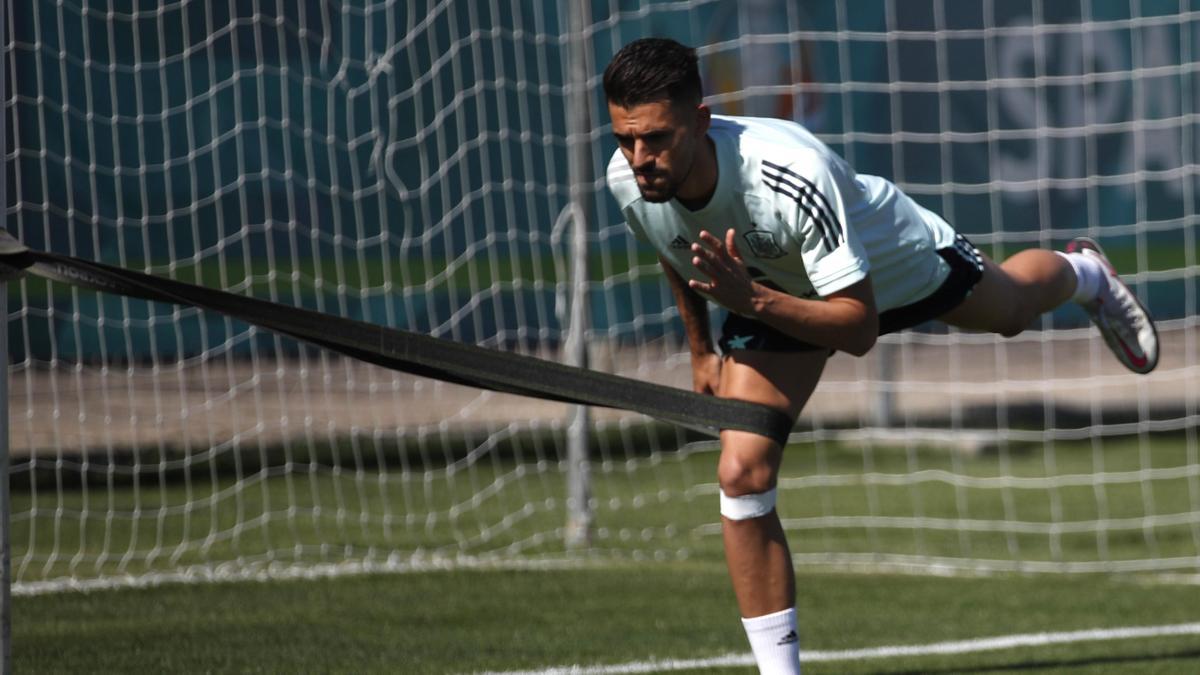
407, 164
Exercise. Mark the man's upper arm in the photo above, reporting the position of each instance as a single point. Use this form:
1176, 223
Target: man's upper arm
814, 190
859, 294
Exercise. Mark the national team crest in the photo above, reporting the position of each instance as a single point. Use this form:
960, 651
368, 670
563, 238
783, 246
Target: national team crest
763, 244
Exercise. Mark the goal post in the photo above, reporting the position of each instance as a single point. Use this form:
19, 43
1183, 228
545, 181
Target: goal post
5, 460
579, 158
438, 167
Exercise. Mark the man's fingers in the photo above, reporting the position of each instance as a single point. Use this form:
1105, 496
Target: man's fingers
712, 249
708, 246
731, 243
709, 261
714, 270
715, 250
708, 238
703, 252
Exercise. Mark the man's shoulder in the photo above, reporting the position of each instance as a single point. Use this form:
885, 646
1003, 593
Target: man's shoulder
766, 132
766, 142
621, 181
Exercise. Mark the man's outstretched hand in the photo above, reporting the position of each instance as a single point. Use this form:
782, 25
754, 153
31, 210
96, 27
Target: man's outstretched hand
729, 284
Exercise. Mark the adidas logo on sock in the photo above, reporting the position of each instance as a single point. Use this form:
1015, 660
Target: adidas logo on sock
788, 639
679, 242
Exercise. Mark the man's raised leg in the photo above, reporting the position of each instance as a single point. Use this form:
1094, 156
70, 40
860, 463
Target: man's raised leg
1010, 296
756, 550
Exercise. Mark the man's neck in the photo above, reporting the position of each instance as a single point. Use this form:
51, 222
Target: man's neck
700, 185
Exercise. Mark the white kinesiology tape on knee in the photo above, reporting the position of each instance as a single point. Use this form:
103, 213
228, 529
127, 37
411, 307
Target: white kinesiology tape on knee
746, 507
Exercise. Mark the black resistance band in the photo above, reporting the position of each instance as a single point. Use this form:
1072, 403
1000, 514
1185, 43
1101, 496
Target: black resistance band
416, 353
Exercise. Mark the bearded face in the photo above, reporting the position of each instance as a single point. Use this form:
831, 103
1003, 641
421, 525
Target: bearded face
660, 141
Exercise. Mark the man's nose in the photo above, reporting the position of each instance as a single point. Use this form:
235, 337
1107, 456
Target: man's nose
641, 155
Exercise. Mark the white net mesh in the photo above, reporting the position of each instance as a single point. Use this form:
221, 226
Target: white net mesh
406, 164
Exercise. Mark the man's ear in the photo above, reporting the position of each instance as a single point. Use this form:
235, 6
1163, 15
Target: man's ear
703, 119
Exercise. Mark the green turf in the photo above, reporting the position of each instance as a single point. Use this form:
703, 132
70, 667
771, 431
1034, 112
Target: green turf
468, 621
658, 506
659, 590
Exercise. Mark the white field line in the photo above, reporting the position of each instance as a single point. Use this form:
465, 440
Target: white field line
893, 651
277, 571
264, 571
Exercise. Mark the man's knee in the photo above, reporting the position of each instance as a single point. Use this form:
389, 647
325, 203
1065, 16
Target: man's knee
747, 487
1006, 314
741, 476
1034, 281
1015, 322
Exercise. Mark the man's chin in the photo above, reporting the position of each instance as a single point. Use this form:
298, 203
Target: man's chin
657, 196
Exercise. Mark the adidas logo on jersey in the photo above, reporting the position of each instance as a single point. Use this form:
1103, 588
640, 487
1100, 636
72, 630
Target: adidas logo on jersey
680, 242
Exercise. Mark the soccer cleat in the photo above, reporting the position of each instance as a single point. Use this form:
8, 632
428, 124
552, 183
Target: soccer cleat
1125, 324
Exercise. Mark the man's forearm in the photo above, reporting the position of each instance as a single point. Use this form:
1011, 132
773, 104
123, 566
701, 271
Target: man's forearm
841, 322
693, 311
845, 320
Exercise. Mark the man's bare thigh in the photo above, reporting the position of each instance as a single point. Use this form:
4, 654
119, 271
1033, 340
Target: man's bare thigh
782, 380
983, 309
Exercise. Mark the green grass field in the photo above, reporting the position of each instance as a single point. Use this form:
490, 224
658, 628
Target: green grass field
308, 508
654, 588
470, 621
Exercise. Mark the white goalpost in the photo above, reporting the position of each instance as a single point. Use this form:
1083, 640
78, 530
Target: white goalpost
438, 167
5, 510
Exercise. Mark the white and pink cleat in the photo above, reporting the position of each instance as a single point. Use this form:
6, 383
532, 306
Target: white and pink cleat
1125, 324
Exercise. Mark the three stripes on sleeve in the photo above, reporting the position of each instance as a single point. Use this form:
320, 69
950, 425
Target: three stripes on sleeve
810, 200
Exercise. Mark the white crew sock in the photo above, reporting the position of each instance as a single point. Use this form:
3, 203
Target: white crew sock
775, 642
1090, 275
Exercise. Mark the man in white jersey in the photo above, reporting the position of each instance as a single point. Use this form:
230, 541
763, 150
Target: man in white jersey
809, 257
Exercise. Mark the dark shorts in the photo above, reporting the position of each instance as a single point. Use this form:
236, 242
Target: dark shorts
966, 269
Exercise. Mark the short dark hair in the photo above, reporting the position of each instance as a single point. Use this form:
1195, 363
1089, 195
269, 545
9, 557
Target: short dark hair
653, 69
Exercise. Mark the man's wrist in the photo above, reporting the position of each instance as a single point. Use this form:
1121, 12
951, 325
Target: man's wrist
760, 300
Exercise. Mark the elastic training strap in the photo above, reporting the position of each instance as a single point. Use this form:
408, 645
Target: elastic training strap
414, 352
746, 507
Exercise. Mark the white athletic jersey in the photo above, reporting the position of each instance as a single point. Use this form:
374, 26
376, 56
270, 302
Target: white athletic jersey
806, 223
